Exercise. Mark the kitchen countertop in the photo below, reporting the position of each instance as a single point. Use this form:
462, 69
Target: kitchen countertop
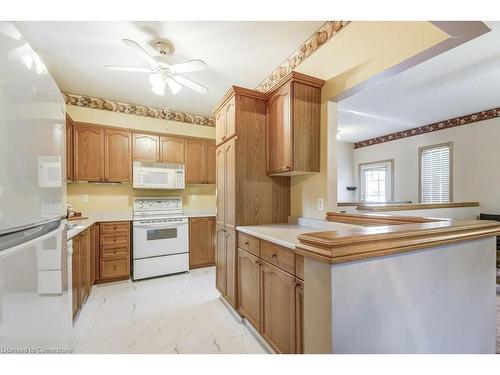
97, 217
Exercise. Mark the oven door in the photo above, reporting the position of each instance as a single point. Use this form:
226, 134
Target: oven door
157, 239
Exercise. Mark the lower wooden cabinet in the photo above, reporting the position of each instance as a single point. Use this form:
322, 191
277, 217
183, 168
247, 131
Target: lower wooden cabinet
201, 242
81, 269
271, 296
249, 288
225, 266
114, 251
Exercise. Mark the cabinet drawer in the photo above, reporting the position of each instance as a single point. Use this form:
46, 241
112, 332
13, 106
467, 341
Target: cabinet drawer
114, 268
114, 251
279, 256
115, 226
299, 266
249, 243
114, 239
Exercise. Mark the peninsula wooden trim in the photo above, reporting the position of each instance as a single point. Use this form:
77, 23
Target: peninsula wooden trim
370, 219
414, 206
339, 247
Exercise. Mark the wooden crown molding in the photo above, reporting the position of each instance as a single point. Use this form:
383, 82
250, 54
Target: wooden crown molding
348, 245
237, 90
328, 30
441, 125
136, 109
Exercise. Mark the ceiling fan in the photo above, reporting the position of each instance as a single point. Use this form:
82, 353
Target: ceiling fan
162, 74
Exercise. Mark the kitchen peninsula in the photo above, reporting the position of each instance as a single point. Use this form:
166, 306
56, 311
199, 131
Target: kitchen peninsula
370, 283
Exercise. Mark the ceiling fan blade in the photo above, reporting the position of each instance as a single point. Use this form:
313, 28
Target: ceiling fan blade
140, 51
190, 84
129, 69
174, 86
188, 66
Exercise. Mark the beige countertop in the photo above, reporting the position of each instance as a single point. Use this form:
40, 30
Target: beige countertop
96, 217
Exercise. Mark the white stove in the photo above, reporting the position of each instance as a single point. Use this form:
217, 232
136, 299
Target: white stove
161, 237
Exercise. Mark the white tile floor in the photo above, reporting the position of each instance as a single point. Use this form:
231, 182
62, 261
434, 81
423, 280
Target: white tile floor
174, 314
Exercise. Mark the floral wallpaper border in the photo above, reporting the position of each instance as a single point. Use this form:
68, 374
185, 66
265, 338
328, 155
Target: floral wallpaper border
441, 125
311, 45
136, 109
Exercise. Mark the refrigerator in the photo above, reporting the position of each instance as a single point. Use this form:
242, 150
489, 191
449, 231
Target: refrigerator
35, 279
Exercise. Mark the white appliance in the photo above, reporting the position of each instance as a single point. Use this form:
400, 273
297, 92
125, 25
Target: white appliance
161, 237
150, 175
35, 284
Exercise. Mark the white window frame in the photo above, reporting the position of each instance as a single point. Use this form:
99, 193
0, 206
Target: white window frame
389, 184
420, 150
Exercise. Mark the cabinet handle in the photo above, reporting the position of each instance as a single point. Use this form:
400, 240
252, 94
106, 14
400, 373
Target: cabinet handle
246, 243
288, 167
275, 256
257, 262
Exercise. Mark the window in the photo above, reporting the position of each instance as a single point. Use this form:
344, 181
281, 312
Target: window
376, 181
435, 173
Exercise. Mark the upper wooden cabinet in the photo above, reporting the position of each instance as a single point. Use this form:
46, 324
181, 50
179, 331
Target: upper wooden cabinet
172, 150
200, 161
293, 126
146, 147
88, 153
225, 122
69, 149
118, 156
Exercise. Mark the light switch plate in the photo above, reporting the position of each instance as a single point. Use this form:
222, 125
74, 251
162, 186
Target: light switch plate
321, 204
193, 197
85, 198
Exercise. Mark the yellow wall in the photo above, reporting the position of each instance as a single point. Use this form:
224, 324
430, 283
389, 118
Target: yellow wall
119, 197
359, 52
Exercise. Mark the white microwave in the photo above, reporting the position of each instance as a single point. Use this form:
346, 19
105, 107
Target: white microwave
150, 175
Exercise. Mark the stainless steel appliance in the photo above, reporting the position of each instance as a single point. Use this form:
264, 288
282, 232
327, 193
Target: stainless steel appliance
161, 238
150, 175
35, 297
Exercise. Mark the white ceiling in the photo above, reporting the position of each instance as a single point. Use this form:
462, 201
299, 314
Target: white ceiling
237, 53
463, 80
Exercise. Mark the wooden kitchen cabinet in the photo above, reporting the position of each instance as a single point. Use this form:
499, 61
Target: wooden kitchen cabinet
225, 122
220, 162
299, 316
84, 266
114, 251
75, 274
220, 262
278, 308
195, 158
118, 156
249, 287
210, 162
172, 150
201, 242
226, 180
225, 270
88, 153
293, 126
69, 149
146, 147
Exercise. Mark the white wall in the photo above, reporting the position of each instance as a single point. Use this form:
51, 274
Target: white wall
345, 172
476, 162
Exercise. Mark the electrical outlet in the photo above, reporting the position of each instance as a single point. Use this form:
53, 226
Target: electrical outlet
321, 204
194, 197
85, 198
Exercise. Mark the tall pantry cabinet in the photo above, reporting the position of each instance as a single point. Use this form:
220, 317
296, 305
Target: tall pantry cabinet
245, 194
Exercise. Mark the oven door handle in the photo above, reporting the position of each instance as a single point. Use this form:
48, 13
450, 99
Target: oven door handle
163, 226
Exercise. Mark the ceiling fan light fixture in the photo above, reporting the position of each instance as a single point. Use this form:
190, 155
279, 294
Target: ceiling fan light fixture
174, 86
158, 83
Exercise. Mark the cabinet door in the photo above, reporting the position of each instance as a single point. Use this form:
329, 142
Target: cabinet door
231, 283
118, 156
194, 156
69, 150
210, 151
278, 309
220, 126
299, 316
84, 266
230, 184
279, 131
92, 254
89, 153
172, 150
220, 260
220, 162
75, 273
249, 287
201, 242
230, 118
146, 147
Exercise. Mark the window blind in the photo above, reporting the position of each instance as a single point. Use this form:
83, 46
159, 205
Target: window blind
435, 174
